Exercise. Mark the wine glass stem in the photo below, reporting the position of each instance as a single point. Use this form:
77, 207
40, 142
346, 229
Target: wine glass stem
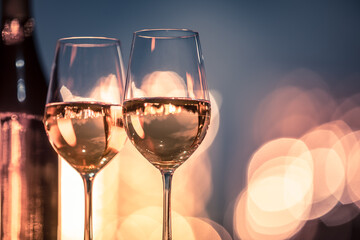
88, 228
167, 178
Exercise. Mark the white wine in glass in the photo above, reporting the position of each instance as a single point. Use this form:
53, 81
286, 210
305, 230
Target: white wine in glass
89, 126
83, 115
172, 128
166, 106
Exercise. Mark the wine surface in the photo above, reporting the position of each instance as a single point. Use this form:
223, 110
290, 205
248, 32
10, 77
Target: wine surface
166, 131
86, 134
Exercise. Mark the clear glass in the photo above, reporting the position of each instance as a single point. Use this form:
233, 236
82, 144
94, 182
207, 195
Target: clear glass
166, 104
83, 112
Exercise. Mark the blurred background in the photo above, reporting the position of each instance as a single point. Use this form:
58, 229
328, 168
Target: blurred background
281, 157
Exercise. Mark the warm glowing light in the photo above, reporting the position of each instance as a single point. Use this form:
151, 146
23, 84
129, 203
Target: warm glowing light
169, 84
221, 231
213, 128
343, 148
172, 108
15, 27
326, 135
275, 192
202, 230
163, 83
353, 168
329, 181
72, 203
192, 180
15, 197
239, 217
138, 126
141, 184
139, 181
247, 227
190, 85
73, 54
313, 174
281, 174
118, 134
15, 179
106, 190
16, 206
149, 221
281, 188
329, 169
67, 132
106, 199
13, 32
152, 44
277, 148
107, 90
127, 196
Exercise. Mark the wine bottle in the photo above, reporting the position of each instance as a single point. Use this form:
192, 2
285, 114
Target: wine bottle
28, 165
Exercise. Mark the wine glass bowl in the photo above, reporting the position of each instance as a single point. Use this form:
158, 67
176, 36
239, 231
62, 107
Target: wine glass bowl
80, 132
84, 101
83, 112
166, 105
166, 131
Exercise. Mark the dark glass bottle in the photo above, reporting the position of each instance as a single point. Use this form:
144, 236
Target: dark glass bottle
28, 165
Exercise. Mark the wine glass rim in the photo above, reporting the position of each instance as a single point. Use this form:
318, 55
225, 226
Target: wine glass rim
89, 41
187, 33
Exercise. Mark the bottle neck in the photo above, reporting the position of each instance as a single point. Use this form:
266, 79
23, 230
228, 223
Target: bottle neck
16, 21
23, 86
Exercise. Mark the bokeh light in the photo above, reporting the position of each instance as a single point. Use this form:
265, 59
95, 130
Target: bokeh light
306, 168
127, 193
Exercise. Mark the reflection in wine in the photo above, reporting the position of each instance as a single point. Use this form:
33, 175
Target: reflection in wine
166, 131
82, 132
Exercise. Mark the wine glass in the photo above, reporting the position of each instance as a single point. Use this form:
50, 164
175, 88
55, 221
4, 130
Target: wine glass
83, 112
166, 103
